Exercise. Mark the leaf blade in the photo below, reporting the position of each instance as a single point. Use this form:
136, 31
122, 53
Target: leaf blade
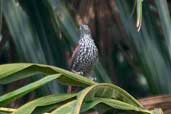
11, 96
52, 99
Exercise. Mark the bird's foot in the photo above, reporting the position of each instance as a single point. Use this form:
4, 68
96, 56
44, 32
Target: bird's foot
80, 73
93, 78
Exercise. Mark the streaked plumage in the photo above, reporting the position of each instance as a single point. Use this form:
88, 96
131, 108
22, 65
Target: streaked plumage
85, 54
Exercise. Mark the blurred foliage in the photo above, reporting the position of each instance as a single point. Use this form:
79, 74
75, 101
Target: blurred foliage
46, 32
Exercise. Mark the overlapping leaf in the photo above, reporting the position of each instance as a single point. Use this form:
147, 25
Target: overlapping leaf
93, 95
13, 72
44, 101
11, 96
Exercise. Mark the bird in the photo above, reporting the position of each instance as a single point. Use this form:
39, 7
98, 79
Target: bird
85, 54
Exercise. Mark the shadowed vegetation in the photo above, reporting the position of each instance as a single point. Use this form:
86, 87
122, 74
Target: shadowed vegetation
133, 38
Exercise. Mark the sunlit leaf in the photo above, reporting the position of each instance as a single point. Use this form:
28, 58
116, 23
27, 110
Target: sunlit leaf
116, 104
43, 101
21, 70
66, 108
105, 91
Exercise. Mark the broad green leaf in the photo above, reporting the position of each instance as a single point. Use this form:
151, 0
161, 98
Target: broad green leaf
28, 108
112, 91
21, 70
11, 96
49, 108
104, 91
7, 70
115, 104
66, 108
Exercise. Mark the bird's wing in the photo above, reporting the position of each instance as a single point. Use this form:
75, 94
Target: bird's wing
74, 55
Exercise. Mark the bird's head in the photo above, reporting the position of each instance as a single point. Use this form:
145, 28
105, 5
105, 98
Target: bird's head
84, 30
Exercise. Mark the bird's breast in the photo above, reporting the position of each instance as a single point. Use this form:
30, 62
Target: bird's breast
86, 56
88, 53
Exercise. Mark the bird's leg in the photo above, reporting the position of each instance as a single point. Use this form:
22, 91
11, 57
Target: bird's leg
69, 89
80, 73
93, 78
74, 89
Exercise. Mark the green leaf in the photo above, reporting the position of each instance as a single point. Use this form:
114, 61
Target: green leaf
104, 91
7, 70
115, 104
43, 101
66, 108
22, 70
11, 96
96, 93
